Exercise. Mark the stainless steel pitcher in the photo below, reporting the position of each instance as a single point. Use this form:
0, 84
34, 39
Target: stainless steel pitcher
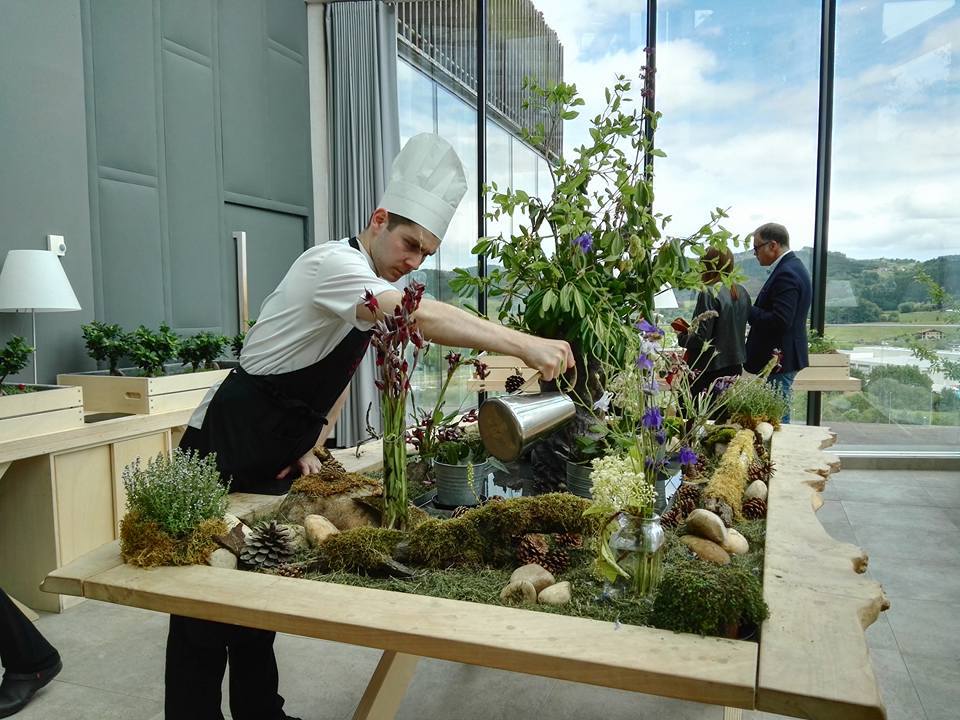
510, 424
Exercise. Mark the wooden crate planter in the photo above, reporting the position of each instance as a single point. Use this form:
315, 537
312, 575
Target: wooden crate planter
50, 409
143, 395
500, 368
827, 372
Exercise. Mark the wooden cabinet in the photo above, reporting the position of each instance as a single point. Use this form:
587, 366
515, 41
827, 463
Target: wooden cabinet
57, 506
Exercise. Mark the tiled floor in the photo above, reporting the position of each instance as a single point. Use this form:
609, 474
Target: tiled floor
908, 521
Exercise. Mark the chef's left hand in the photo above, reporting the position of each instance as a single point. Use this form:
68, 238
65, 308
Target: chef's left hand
309, 464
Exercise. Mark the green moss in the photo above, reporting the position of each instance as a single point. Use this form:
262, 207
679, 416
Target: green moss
360, 550
145, 543
331, 480
700, 597
484, 535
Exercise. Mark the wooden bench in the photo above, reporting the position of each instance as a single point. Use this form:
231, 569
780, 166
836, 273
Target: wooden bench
812, 660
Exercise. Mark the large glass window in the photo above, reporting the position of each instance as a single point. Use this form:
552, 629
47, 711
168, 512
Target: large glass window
893, 215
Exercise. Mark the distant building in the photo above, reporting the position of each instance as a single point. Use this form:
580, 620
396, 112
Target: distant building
929, 334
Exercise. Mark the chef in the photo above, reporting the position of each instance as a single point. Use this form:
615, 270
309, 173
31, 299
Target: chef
265, 418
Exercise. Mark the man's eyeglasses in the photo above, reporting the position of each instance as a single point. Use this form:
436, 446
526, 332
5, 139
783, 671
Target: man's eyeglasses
756, 248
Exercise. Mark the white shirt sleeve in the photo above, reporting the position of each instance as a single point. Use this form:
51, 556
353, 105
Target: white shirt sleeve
341, 282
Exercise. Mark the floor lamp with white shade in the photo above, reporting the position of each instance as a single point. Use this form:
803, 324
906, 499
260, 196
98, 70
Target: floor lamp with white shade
34, 281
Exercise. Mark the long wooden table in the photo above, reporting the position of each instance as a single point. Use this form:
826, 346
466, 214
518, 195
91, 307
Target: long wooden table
812, 661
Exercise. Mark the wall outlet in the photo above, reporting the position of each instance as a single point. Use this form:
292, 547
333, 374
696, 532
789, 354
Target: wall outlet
57, 245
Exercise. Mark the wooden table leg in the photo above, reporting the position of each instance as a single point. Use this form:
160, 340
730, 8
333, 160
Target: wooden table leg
387, 687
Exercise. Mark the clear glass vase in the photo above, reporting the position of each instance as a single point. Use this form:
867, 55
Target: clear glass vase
637, 544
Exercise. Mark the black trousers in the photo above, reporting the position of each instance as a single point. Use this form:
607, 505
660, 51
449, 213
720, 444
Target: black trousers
197, 654
22, 648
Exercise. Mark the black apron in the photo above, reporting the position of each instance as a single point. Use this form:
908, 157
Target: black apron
259, 424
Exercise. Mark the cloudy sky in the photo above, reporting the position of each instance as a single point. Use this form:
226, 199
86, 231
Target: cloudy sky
737, 83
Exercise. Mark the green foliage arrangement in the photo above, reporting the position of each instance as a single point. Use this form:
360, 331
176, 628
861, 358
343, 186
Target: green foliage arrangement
586, 261
13, 358
106, 343
467, 449
700, 597
202, 350
177, 492
820, 344
152, 350
750, 400
236, 342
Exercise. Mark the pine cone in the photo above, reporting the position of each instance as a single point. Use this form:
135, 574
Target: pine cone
514, 382
684, 506
294, 571
556, 561
755, 509
569, 540
670, 519
268, 546
688, 491
460, 511
760, 470
533, 548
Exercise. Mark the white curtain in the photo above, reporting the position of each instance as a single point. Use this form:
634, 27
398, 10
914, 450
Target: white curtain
364, 138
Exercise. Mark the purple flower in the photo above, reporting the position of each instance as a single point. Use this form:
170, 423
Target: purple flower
644, 362
660, 437
652, 418
687, 456
648, 328
584, 242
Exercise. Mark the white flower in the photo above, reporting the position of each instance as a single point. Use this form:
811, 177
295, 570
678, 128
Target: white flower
603, 404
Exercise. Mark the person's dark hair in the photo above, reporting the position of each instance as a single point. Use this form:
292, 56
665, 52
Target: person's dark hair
394, 220
720, 262
773, 232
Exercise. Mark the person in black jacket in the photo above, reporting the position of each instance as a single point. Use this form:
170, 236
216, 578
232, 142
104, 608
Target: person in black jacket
778, 318
28, 660
716, 346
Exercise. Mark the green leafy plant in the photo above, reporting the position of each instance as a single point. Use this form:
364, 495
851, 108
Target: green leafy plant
924, 351
700, 597
178, 492
106, 343
13, 358
586, 261
202, 350
465, 450
820, 344
750, 400
152, 350
236, 342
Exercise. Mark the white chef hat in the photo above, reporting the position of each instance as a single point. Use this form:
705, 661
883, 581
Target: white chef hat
426, 184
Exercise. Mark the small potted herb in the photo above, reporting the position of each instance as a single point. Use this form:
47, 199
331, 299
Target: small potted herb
462, 468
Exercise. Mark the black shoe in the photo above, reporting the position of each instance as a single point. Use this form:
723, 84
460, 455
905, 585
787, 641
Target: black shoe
17, 688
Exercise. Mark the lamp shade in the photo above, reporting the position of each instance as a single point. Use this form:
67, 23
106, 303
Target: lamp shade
665, 299
35, 280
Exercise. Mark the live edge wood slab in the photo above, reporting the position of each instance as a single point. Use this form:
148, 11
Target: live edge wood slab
812, 661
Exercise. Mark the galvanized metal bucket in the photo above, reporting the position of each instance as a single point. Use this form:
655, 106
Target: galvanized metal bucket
510, 424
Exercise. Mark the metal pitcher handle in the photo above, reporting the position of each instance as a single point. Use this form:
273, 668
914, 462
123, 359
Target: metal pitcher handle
537, 375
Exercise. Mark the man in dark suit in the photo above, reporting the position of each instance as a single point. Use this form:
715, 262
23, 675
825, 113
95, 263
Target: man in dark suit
778, 318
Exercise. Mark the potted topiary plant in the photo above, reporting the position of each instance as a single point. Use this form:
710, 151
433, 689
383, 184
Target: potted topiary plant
462, 468
175, 508
24, 409
106, 343
201, 351
829, 369
155, 385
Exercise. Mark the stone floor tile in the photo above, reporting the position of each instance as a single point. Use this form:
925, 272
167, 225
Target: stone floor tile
67, 701
926, 628
889, 493
918, 580
917, 544
895, 515
938, 685
896, 687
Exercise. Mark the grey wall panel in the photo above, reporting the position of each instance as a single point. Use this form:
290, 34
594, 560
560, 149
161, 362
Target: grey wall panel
124, 87
287, 130
274, 241
286, 24
242, 100
193, 197
130, 244
43, 166
188, 23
